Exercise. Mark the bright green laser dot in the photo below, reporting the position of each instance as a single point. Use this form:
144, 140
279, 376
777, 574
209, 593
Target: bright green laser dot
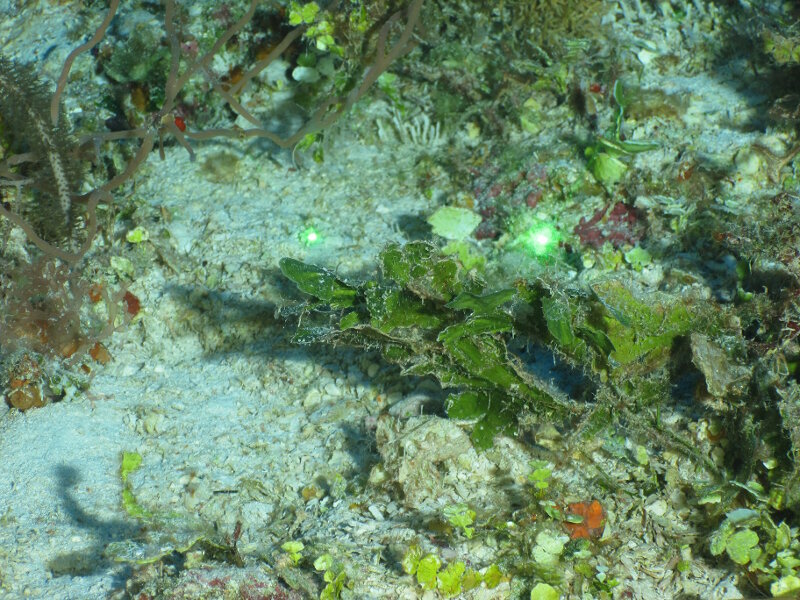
540, 239
309, 236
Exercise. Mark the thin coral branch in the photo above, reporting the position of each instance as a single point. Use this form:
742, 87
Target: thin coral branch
93, 41
276, 52
205, 61
46, 247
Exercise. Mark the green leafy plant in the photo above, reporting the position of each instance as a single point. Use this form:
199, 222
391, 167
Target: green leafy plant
544, 591
769, 552
302, 13
294, 549
432, 317
616, 329
540, 476
456, 225
334, 576
461, 515
605, 156
320, 30
426, 569
131, 461
451, 580
453, 222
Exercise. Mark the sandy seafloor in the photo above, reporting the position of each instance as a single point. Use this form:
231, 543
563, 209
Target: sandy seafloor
233, 422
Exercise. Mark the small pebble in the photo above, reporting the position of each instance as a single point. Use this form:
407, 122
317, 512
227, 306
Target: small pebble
313, 397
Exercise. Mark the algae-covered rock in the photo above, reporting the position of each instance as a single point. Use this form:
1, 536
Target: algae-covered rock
789, 406
433, 463
723, 376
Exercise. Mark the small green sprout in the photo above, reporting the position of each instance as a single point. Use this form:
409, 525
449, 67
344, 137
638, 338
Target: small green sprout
308, 140
685, 563
604, 155
785, 585
294, 549
741, 546
411, 559
302, 14
531, 116
551, 510
122, 266
638, 258
324, 562
465, 254
784, 49
320, 31
460, 515
540, 476
449, 579
322, 34
333, 574
606, 168
131, 461
768, 552
425, 567
544, 591
137, 235
603, 581
493, 576
427, 570
572, 518
640, 455
131, 505
453, 222
358, 20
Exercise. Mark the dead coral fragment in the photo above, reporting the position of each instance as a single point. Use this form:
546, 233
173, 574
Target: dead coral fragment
433, 463
554, 24
723, 376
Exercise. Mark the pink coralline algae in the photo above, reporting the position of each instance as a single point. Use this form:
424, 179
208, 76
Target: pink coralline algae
498, 196
623, 225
